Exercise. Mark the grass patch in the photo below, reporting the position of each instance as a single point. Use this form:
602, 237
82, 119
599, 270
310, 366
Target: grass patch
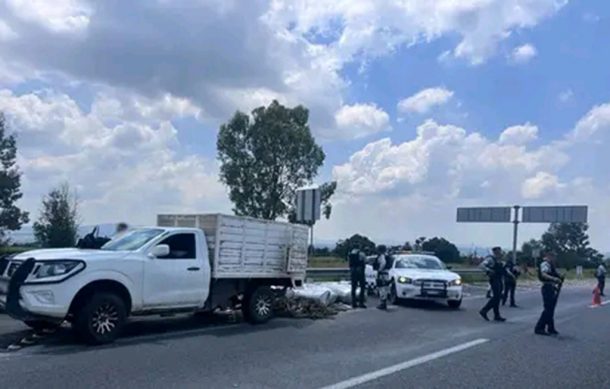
14, 249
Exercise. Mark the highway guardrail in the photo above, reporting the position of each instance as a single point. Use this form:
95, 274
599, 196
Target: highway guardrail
344, 272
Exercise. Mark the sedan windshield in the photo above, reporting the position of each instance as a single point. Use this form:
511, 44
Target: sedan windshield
429, 263
133, 240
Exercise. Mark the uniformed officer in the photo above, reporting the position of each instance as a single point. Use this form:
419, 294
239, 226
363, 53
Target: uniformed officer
511, 272
551, 283
494, 268
357, 263
383, 265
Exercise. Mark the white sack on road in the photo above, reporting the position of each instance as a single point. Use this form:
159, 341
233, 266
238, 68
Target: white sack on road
320, 294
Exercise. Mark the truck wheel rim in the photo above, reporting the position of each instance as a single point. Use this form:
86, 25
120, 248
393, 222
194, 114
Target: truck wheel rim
105, 319
263, 306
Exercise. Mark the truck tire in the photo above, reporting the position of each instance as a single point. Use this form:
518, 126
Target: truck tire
454, 304
258, 305
101, 318
393, 296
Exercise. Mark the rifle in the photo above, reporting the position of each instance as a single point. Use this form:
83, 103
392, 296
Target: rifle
559, 289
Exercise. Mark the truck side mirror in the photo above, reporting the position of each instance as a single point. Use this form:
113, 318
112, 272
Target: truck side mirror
161, 250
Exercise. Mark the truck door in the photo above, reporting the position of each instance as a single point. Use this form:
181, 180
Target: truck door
178, 279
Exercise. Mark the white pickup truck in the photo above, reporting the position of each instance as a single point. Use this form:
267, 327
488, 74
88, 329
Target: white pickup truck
187, 263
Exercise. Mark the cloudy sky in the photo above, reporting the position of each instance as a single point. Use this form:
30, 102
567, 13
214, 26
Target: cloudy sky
421, 106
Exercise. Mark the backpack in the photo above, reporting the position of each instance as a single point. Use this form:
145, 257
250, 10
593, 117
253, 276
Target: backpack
389, 261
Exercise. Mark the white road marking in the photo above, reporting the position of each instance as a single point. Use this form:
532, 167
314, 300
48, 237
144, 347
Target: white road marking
350, 383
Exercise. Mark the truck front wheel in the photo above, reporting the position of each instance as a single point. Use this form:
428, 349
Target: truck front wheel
258, 306
101, 318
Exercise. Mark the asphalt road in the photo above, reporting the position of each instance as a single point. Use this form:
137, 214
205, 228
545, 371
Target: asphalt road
408, 347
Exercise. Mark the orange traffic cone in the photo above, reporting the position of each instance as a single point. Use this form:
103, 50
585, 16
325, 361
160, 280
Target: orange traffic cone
597, 299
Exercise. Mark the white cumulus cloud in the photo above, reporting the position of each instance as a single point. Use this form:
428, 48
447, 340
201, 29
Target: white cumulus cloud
539, 185
519, 134
371, 28
524, 54
418, 184
359, 120
247, 53
424, 100
56, 15
125, 166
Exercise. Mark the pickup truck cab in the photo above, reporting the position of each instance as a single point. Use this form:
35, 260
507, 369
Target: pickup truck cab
153, 270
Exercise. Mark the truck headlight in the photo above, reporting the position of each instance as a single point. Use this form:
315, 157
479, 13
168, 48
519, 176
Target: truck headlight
456, 282
57, 269
405, 280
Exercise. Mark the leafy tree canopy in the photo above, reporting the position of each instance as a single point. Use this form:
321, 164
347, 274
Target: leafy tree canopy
266, 157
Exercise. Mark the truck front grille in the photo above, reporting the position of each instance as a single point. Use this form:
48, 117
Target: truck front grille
12, 267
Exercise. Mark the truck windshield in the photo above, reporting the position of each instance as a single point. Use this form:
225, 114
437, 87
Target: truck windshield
133, 240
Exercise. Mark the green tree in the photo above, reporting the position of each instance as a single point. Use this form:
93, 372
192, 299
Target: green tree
571, 243
266, 157
57, 225
443, 249
419, 242
356, 241
527, 253
11, 217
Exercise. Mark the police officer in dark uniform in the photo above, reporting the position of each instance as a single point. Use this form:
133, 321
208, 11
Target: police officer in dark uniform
357, 263
494, 268
551, 284
511, 273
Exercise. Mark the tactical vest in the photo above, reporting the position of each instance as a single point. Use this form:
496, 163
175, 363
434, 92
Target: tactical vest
355, 260
552, 273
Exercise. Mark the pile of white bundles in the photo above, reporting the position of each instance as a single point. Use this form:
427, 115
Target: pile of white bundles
324, 293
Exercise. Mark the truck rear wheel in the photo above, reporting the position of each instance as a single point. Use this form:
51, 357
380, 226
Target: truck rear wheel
258, 305
101, 318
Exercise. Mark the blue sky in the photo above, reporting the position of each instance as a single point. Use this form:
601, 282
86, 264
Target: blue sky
420, 106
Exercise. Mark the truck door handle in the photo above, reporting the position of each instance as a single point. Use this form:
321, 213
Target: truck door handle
193, 269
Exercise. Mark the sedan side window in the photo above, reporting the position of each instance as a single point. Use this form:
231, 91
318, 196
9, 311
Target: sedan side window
181, 246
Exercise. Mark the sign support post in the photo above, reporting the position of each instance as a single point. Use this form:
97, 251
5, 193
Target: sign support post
515, 232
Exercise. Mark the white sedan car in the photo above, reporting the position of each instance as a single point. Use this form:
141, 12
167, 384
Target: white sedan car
424, 277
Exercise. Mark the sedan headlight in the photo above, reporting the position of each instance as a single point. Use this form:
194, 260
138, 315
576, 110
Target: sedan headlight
456, 282
57, 269
405, 280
